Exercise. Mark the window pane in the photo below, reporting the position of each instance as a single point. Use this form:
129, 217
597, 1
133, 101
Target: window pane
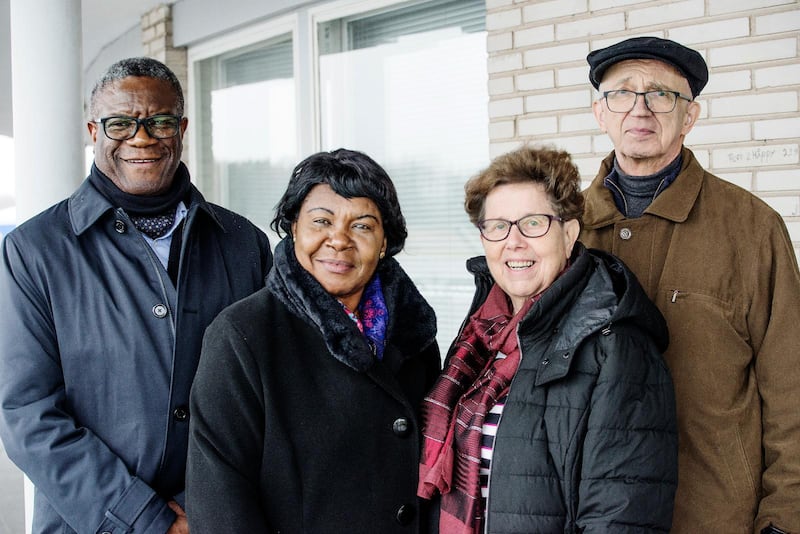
248, 137
417, 103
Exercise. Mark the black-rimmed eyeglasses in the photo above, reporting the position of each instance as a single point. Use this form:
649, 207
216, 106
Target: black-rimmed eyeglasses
535, 225
622, 100
120, 128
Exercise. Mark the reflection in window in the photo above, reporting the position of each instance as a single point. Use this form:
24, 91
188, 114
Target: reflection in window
248, 143
409, 88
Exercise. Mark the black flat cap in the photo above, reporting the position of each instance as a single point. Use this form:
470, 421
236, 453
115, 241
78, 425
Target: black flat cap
689, 62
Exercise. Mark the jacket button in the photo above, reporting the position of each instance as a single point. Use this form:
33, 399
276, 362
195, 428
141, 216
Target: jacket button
405, 514
545, 361
160, 311
120, 226
401, 427
625, 234
181, 413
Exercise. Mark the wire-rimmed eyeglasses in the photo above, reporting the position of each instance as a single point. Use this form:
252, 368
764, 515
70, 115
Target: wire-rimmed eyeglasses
660, 101
535, 225
120, 127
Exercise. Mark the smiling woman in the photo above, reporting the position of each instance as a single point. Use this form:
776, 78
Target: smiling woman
322, 372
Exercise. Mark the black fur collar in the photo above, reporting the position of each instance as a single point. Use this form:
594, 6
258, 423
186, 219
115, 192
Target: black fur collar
412, 322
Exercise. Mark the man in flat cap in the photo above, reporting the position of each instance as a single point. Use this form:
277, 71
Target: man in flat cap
719, 264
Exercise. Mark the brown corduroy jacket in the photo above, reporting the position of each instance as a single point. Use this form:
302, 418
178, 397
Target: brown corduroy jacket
719, 264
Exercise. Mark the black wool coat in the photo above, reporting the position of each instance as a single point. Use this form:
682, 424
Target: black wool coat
295, 426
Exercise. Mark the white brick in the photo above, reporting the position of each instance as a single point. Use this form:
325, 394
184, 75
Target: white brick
509, 107
778, 180
603, 43
778, 76
574, 145
540, 126
576, 122
504, 63
535, 80
746, 105
711, 31
590, 26
752, 52
786, 206
778, 22
553, 9
560, 100
602, 144
588, 167
755, 156
724, 82
494, 4
534, 36
777, 128
573, 76
596, 5
742, 179
502, 41
719, 133
794, 233
501, 130
501, 86
498, 149
718, 7
501, 20
556, 54
660, 15
703, 157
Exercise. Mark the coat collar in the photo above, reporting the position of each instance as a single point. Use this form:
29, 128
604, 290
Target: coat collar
597, 292
86, 206
412, 322
674, 203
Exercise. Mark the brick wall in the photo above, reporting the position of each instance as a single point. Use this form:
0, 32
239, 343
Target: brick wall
749, 129
156, 27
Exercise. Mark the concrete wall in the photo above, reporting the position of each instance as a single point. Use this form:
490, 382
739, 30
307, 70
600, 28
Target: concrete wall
749, 131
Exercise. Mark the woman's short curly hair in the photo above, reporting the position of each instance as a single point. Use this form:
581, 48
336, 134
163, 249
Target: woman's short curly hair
350, 174
548, 166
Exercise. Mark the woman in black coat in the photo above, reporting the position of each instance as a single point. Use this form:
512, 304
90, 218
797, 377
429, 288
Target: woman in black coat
555, 412
305, 404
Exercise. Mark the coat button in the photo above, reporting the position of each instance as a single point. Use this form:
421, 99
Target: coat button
160, 311
120, 226
545, 361
405, 514
401, 427
625, 234
181, 413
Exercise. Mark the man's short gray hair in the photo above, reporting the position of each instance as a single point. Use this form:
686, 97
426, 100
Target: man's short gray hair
136, 66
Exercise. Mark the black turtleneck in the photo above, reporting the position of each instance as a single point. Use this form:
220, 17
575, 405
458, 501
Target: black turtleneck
633, 194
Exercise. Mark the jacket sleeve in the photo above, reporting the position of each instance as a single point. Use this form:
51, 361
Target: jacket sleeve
83, 480
774, 317
226, 436
630, 456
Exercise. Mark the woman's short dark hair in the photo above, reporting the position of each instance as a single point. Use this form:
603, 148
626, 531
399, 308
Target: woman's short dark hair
350, 174
550, 167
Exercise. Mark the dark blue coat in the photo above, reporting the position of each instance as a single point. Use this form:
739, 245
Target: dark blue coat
98, 351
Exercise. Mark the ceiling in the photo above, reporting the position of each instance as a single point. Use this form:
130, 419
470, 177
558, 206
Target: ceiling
105, 20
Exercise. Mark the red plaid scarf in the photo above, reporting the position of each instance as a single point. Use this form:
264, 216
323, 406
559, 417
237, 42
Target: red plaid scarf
454, 411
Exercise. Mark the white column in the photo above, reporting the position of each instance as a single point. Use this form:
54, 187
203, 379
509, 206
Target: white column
46, 81
49, 124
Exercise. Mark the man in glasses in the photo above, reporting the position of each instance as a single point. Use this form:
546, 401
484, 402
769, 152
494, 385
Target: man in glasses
719, 264
105, 298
